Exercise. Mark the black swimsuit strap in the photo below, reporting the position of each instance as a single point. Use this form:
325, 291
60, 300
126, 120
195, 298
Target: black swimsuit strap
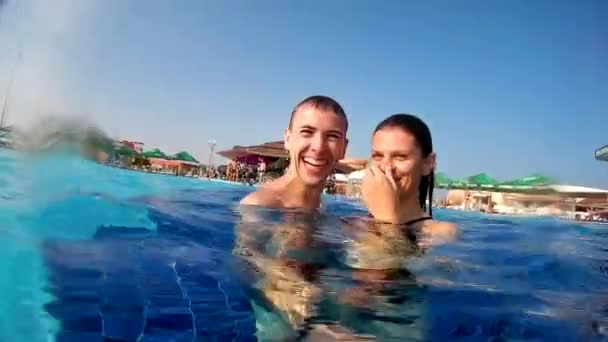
408, 223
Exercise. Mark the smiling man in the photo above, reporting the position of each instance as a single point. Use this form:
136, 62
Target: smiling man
284, 254
316, 141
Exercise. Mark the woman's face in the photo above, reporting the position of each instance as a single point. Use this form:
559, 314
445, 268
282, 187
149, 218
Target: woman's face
395, 148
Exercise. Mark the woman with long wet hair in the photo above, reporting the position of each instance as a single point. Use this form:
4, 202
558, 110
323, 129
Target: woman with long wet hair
398, 185
398, 191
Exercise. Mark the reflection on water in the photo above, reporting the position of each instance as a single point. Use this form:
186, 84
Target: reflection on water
90, 252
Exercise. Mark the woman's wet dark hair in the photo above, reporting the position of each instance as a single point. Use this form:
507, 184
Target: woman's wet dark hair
413, 125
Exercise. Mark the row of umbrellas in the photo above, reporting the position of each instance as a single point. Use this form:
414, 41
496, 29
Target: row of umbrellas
483, 181
181, 156
158, 154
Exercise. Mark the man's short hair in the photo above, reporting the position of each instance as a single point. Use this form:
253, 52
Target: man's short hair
321, 102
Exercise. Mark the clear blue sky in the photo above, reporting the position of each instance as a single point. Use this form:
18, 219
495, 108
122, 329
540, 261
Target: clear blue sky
507, 87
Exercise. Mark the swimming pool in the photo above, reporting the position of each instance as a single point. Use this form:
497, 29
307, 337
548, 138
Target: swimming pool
88, 252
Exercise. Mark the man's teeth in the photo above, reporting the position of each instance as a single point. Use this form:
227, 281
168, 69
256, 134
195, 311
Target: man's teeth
315, 162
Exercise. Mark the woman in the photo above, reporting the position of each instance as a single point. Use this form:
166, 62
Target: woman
397, 183
400, 177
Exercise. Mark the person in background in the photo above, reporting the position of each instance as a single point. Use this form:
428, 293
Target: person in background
261, 170
250, 176
230, 170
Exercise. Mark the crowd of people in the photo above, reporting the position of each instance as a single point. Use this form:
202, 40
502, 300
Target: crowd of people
600, 216
238, 171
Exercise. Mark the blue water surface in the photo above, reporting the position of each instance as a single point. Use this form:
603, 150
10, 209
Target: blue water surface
92, 253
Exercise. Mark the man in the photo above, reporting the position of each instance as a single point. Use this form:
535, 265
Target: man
316, 141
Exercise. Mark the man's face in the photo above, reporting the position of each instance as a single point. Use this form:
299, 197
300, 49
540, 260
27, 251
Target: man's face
316, 141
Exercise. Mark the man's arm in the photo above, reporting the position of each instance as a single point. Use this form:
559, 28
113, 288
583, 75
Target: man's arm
282, 284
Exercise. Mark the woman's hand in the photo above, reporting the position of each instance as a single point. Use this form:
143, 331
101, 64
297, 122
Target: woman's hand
380, 194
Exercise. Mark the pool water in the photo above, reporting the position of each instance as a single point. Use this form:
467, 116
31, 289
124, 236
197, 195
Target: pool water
91, 253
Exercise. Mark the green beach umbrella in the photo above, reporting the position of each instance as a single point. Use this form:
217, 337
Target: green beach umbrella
184, 156
442, 180
462, 183
538, 180
532, 182
482, 180
126, 151
155, 153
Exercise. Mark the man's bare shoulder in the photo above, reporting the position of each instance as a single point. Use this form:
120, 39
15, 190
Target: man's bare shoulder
266, 196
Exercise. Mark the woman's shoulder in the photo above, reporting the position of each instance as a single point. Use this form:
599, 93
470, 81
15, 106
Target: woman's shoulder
440, 231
